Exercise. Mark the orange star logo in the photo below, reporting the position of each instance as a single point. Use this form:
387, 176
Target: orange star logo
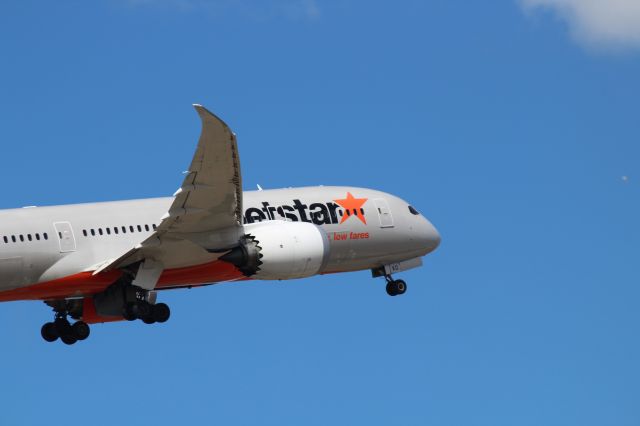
352, 207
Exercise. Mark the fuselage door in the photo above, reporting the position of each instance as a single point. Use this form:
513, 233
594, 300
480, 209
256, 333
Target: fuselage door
386, 220
65, 236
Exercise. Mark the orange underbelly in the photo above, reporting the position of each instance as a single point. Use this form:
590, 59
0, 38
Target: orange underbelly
86, 284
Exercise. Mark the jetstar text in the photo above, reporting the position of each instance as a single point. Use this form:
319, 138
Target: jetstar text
317, 213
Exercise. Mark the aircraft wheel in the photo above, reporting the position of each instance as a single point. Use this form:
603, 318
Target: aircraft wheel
81, 330
48, 332
62, 326
161, 312
68, 339
64, 330
128, 312
142, 310
400, 287
396, 287
391, 291
148, 319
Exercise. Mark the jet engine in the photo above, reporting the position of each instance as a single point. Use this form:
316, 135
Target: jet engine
279, 250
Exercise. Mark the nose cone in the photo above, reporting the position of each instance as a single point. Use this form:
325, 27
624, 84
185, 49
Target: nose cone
429, 236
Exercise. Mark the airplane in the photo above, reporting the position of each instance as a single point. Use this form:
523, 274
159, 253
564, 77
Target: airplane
103, 262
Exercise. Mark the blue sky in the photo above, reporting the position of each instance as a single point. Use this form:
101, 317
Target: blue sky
509, 124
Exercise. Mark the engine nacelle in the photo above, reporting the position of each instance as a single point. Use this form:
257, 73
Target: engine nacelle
279, 250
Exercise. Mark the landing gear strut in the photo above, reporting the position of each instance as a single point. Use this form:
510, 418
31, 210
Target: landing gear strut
395, 287
62, 329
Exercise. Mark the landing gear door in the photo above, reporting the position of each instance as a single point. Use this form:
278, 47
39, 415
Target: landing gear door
386, 220
67, 240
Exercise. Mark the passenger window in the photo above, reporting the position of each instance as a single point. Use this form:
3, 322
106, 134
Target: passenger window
146, 228
21, 238
59, 235
29, 237
124, 229
13, 238
6, 240
46, 237
154, 226
131, 228
93, 232
84, 232
37, 236
348, 213
108, 231
139, 228
362, 211
115, 229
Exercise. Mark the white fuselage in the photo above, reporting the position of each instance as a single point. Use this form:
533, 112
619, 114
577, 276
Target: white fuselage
41, 244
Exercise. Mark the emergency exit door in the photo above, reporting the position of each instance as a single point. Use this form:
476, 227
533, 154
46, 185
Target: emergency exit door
66, 239
386, 220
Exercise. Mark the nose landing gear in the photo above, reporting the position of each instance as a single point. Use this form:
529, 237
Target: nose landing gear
395, 287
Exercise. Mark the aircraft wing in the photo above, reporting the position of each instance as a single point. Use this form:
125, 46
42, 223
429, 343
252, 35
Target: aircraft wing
206, 213
210, 197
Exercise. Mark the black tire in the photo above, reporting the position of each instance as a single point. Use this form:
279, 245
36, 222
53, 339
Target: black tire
128, 313
142, 310
48, 332
391, 288
68, 339
400, 287
148, 320
81, 330
64, 330
161, 312
62, 327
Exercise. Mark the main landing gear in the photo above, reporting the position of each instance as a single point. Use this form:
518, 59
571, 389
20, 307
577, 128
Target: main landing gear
138, 303
395, 287
128, 302
62, 329
147, 312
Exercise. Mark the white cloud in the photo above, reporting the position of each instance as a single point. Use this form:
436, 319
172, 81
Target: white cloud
600, 24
